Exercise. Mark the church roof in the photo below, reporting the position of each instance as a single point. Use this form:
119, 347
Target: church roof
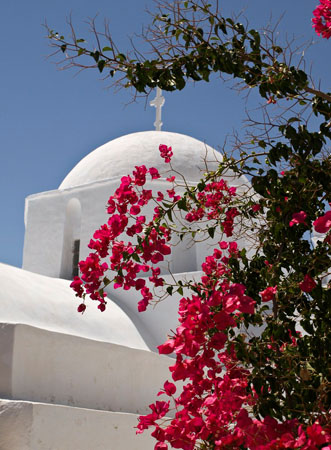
50, 304
119, 156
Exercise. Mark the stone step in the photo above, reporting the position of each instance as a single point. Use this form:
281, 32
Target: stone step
48, 367
38, 426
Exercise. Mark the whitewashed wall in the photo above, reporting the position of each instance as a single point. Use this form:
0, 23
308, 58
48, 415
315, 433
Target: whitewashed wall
48, 367
37, 426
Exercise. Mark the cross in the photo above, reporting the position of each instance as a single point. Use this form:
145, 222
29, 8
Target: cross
158, 102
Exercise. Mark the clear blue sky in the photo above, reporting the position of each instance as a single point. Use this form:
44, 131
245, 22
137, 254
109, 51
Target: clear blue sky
49, 120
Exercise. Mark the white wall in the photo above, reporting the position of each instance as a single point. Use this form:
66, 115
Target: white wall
43, 366
37, 426
47, 228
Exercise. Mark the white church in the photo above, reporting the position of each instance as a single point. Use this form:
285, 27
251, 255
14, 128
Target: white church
70, 381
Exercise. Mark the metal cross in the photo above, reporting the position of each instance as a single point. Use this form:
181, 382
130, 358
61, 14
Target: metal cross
158, 102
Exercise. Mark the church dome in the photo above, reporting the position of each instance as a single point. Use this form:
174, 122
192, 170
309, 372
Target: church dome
119, 156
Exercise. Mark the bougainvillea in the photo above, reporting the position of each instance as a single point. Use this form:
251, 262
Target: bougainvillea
215, 409
253, 340
322, 19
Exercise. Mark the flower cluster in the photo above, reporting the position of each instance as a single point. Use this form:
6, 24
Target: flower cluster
322, 19
213, 202
216, 389
126, 259
166, 152
215, 406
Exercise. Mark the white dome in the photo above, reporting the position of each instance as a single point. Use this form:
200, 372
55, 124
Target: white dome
118, 157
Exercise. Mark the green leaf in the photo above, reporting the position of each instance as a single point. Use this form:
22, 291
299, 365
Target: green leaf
201, 186
121, 57
135, 257
107, 49
106, 281
211, 232
95, 55
170, 290
177, 33
277, 49
169, 214
182, 204
101, 65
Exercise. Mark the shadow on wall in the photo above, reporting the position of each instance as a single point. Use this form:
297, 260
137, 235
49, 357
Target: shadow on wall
71, 240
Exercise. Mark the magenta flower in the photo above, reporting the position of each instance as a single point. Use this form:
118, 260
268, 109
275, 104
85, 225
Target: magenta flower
268, 293
298, 218
256, 207
81, 308
323, 223
308, 284
166, 152
322, 19
154, 173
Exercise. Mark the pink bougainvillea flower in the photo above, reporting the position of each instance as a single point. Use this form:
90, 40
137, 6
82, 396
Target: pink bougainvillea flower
298, 218
154, 173
140, 175
134, 210
166, 153
81, 308
77, 286
167, 347
161, 446
102, 307
256, 207
322, 19
268, 293
323, 223
140, 283
169, 389
308, 284
318, 435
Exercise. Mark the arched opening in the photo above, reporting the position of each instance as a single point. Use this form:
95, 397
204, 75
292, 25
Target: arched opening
71, 240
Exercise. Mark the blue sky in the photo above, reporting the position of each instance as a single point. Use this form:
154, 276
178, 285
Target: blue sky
51, 119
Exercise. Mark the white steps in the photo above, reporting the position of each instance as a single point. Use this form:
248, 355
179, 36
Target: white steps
39, 426
62, 392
